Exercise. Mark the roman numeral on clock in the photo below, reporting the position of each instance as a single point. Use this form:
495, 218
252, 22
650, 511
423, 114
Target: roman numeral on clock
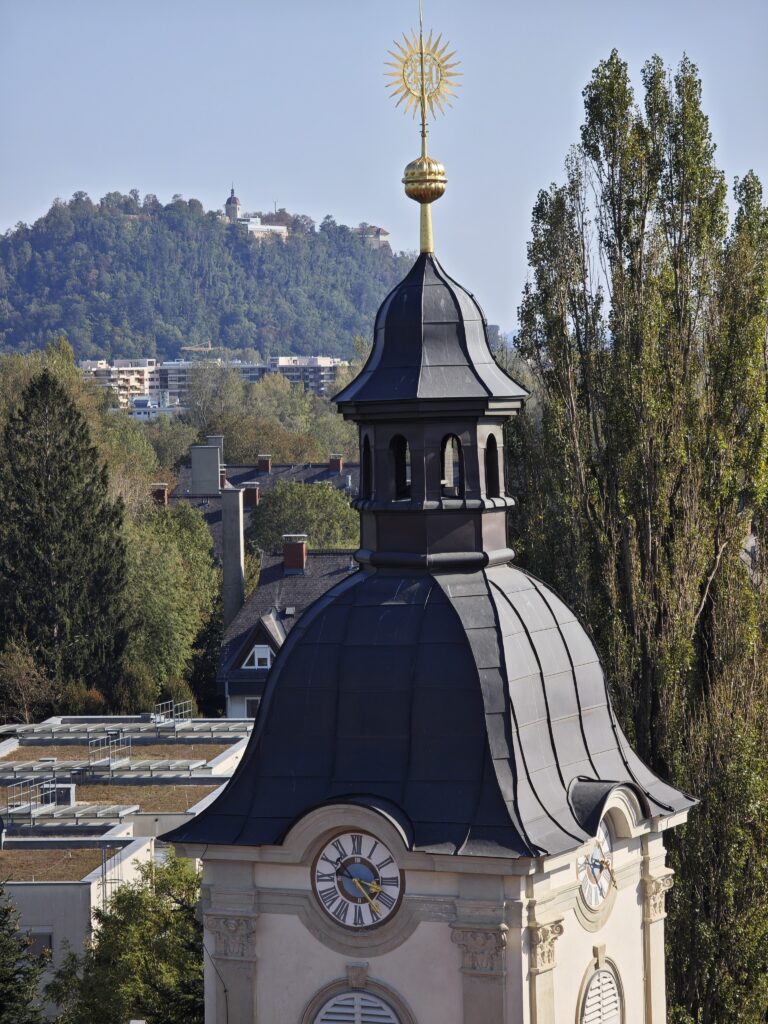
385, 900
357, 845
325, 876
387, 880
340, 911
339, 847
385, 863
328, 896
359, 919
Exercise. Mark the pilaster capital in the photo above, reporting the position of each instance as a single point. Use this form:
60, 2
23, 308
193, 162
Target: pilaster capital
235, 936
542, 941
482, 947
655, 891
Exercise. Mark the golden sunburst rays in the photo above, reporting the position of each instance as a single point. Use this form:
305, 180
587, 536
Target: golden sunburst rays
439, 74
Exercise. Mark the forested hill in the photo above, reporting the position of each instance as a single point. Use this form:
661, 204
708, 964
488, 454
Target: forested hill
130, 277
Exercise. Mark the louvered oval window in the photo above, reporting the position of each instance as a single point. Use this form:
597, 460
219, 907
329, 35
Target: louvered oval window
602, 1002
356, 1008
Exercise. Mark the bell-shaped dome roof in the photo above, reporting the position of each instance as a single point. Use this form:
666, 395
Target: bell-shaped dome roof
430, 342
232, 200
469, 706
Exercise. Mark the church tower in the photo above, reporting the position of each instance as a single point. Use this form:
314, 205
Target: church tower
438, 817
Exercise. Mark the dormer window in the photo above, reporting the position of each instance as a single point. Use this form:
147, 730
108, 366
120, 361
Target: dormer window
259, 658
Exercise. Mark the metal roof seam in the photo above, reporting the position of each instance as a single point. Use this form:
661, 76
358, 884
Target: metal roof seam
539, 800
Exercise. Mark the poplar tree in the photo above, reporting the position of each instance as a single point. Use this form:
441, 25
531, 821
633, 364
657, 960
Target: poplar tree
62, 553
643, 479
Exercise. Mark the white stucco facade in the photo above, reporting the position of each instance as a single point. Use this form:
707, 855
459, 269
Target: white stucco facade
476, 940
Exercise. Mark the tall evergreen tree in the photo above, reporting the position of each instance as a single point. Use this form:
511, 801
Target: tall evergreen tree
642, 474
20, 970
62, 553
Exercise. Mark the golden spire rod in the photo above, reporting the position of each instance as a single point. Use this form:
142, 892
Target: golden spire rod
422, 84
423, 77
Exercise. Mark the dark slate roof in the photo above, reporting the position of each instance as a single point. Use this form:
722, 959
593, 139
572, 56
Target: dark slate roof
472, 706
430, 342
267, 604
304, 473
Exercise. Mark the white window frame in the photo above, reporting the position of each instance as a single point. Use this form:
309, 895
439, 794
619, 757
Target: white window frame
258, 653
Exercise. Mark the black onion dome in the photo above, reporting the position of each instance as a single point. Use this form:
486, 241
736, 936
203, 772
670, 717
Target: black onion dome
471, 707
430, 342
232, 200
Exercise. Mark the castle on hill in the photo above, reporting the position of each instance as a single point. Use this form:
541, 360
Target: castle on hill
253, 224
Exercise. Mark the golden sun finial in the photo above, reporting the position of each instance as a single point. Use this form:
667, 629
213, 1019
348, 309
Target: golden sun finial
424, 78
439, 77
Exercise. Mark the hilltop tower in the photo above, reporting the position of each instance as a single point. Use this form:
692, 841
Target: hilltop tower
437, 817
232, 207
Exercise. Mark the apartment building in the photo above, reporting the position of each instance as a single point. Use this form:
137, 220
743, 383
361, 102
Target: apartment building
166, 383
128, 378
316, 373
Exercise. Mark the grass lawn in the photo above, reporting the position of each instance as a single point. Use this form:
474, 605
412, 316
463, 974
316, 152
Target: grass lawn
149, 798
145, 752
55, 865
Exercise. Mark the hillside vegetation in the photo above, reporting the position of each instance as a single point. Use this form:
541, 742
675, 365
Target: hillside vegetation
130, 277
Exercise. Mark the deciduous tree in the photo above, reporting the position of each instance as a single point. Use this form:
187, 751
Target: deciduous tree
146, 956
319, 510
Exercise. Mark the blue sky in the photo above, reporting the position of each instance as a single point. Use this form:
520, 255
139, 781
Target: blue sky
288, 101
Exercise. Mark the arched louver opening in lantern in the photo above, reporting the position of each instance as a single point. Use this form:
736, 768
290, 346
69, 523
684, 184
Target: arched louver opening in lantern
492, 475
452, 468
401, 467
366, 476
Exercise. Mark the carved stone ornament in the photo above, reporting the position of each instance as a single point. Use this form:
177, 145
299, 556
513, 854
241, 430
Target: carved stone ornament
482, 948
656, 890
543, 938
235, 936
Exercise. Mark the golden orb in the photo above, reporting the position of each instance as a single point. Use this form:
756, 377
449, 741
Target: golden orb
425, 179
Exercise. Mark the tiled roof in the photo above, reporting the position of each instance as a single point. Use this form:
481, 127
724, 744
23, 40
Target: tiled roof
275, 593
304, 473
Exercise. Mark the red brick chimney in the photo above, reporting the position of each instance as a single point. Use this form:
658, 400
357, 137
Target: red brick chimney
252, 495
160, 494
294, 554
336, 464
265, 464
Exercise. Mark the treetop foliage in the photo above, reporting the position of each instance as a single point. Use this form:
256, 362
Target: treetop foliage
62, 555
64, 456
129, 277
146, 956
320, 510
643, 476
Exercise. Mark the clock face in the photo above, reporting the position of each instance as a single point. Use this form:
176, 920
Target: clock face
356, 880
595, 868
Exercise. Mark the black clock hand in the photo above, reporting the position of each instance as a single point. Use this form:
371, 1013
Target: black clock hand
373, 885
